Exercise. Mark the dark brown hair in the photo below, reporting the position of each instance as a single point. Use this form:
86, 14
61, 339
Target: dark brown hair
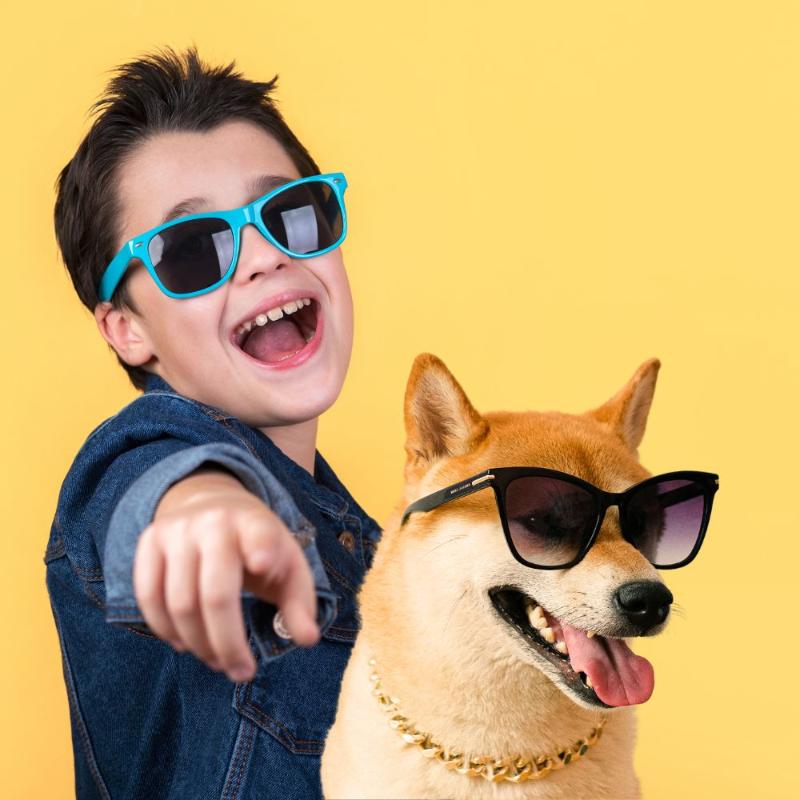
160, 92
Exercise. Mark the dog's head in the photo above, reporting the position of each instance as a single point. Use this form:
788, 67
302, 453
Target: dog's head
569, 623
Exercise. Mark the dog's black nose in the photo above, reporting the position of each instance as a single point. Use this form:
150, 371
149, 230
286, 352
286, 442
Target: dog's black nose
644, 603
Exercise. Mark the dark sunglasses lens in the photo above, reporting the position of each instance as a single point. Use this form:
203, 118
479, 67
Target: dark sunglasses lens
192, 255
304, 219
549, 519
663, 520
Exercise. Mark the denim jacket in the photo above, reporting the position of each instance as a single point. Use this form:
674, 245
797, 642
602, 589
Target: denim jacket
147, 721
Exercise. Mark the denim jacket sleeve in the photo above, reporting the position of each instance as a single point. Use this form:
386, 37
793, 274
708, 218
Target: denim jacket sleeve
135, 511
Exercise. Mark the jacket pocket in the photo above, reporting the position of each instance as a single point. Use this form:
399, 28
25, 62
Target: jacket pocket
294, 697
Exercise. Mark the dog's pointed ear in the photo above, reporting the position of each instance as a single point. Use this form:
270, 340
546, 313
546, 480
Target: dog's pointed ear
626, 412
440, 420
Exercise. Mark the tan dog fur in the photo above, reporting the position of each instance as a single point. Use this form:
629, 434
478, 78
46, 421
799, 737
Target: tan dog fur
441, 648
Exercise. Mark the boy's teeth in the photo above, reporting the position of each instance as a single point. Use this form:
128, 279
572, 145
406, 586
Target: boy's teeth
273, 314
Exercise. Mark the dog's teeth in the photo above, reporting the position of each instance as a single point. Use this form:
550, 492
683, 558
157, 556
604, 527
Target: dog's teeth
548, 634
589, 634
588, 682
537, 618
561, 647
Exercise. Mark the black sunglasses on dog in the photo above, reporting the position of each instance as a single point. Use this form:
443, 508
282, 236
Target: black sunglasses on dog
551, 519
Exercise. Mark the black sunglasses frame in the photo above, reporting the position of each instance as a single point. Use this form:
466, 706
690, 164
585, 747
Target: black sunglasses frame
499, 479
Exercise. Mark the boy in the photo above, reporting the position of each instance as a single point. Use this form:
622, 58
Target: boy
200, 520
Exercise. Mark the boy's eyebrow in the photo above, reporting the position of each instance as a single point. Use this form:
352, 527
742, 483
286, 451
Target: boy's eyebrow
258, 186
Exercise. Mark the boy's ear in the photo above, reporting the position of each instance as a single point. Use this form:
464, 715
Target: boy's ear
440, 420
123, 330
626, 412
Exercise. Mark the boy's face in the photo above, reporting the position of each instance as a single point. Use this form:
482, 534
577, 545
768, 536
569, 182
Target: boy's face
191, 343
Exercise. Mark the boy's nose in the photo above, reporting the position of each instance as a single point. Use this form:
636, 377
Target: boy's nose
257, 256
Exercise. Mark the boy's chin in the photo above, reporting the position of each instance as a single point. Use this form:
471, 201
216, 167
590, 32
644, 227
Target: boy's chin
296, 408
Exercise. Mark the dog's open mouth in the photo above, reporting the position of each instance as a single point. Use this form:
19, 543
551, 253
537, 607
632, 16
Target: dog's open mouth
600, 670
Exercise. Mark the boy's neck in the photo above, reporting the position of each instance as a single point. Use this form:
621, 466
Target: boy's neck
298, 441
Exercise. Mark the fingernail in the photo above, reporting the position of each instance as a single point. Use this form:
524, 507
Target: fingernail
240, 673
313, 631
259, 560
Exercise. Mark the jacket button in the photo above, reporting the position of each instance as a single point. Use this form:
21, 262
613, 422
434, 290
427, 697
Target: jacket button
280, 626
348, 541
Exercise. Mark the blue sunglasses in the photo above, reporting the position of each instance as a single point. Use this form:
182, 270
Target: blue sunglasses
195, 254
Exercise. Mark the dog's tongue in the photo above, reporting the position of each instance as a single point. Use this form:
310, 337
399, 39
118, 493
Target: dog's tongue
274, 341
618, 675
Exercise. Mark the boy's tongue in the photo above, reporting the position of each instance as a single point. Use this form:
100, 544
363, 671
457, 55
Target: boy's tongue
619, 676
274, 341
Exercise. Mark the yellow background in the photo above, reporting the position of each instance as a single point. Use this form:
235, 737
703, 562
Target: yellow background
542, 193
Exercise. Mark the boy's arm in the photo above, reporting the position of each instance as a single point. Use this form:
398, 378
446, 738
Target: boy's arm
195, 523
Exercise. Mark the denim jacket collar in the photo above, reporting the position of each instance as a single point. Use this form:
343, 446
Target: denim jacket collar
156, 382
323, 487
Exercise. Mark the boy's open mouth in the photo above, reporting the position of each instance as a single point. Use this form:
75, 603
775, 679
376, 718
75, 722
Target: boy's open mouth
601, 670
277, 334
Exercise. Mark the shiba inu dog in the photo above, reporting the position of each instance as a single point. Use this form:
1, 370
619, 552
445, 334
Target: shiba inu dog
493, 650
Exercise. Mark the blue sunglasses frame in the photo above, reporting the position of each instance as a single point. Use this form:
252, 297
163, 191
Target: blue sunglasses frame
236, 218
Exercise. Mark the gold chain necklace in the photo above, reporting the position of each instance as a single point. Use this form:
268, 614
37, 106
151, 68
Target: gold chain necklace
514, 769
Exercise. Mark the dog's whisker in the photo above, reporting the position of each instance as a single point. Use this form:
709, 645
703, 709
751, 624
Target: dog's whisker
452, 608
447, 541
678, 610
565, 611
